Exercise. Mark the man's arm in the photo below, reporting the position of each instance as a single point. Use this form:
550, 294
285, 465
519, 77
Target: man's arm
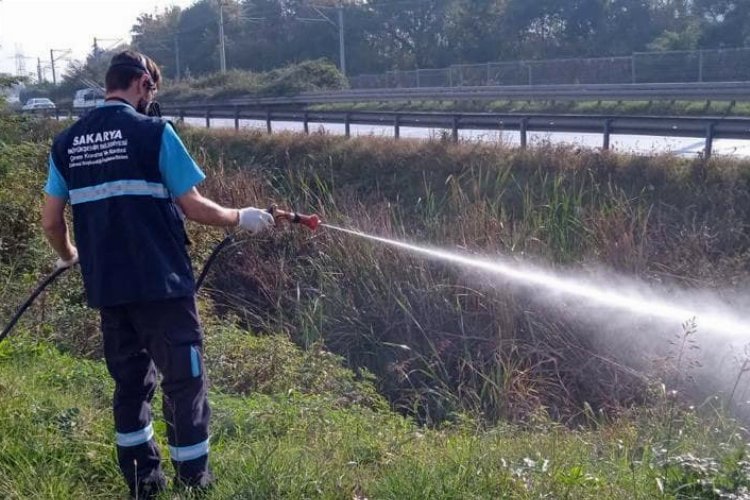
56, 229
204, 211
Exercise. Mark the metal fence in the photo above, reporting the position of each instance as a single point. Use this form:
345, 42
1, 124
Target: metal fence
722, 65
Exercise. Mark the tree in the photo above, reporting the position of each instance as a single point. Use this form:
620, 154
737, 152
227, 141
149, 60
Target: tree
198, 36
628, 27
536, 26
688, 38
92, 71
476, 33
156, 35
7, 80
725, 23
404, 34
410, 34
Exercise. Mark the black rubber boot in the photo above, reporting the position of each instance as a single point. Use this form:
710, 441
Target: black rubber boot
197, 485
149, 487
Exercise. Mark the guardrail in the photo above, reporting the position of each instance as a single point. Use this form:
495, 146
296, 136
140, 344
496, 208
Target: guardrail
709, 128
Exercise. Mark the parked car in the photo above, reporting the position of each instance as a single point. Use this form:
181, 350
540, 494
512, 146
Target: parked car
38, 103
88, 98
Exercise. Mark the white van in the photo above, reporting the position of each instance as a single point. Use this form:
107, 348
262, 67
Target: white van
88, 98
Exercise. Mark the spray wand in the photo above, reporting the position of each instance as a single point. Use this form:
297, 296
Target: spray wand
310, 221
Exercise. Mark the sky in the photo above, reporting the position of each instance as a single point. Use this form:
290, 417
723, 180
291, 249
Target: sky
33, 27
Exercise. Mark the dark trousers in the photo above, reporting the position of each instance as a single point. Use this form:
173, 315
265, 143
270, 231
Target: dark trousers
139, 339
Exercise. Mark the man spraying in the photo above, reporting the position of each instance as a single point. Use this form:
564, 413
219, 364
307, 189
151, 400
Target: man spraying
125, 174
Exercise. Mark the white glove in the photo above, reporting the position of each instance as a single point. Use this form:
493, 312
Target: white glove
64, 264
255, 220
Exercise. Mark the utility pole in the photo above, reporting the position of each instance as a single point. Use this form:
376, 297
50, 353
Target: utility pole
52, 60
39, 69
177, 55
222, 53
339, 25
342, 53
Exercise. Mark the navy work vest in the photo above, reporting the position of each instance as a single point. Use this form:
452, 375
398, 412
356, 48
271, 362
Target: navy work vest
130, 236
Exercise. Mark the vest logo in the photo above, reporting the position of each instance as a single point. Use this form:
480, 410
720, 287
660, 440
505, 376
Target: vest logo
110, 135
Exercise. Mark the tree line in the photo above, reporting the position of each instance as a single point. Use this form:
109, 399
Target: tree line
382, 35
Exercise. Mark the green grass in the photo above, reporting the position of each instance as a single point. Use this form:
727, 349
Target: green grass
439, 342
57, 443
678, 108
344, 370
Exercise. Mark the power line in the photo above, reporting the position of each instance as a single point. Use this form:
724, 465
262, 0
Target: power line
98, 50
177, 32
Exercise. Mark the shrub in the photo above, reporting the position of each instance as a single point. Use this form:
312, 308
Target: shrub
240, 362
305, 76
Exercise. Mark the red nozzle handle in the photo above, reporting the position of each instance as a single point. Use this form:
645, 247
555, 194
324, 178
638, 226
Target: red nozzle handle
311, 221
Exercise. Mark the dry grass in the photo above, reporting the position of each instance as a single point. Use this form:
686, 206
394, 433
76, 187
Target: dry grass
441, 340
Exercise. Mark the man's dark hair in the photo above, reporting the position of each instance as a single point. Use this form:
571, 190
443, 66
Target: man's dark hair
127, 66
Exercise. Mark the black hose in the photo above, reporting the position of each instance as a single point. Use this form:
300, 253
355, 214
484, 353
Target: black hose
214, 253
57, 272
40, 287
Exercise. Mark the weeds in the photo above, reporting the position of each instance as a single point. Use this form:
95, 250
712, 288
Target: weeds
493, 373
473, 347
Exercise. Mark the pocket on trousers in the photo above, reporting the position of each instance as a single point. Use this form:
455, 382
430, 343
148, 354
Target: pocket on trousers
186, 362
196, 367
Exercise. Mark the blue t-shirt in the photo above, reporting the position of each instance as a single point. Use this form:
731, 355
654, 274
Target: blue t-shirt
179, 171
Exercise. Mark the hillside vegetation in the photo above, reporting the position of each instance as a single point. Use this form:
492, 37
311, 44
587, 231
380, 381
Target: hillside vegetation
286, 81
341, 369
